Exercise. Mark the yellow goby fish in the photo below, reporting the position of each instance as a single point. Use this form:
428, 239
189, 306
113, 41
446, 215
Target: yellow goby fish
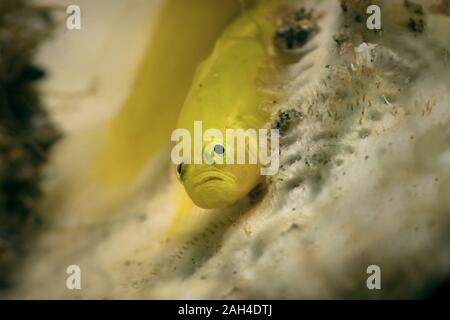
227, 93
183, 35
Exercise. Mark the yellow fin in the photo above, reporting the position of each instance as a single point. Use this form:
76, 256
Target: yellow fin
185, 217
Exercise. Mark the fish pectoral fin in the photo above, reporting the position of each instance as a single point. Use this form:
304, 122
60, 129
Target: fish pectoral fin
187, 217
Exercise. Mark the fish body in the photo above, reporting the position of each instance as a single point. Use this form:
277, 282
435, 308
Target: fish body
228, 93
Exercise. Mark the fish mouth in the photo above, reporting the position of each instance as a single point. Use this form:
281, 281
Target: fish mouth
210, 178
212, 189
207, 180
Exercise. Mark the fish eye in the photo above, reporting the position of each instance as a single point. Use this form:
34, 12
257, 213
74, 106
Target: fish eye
219, 149
180, 169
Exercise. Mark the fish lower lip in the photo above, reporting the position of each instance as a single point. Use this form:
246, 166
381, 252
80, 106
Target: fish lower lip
206, 180
211, 179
